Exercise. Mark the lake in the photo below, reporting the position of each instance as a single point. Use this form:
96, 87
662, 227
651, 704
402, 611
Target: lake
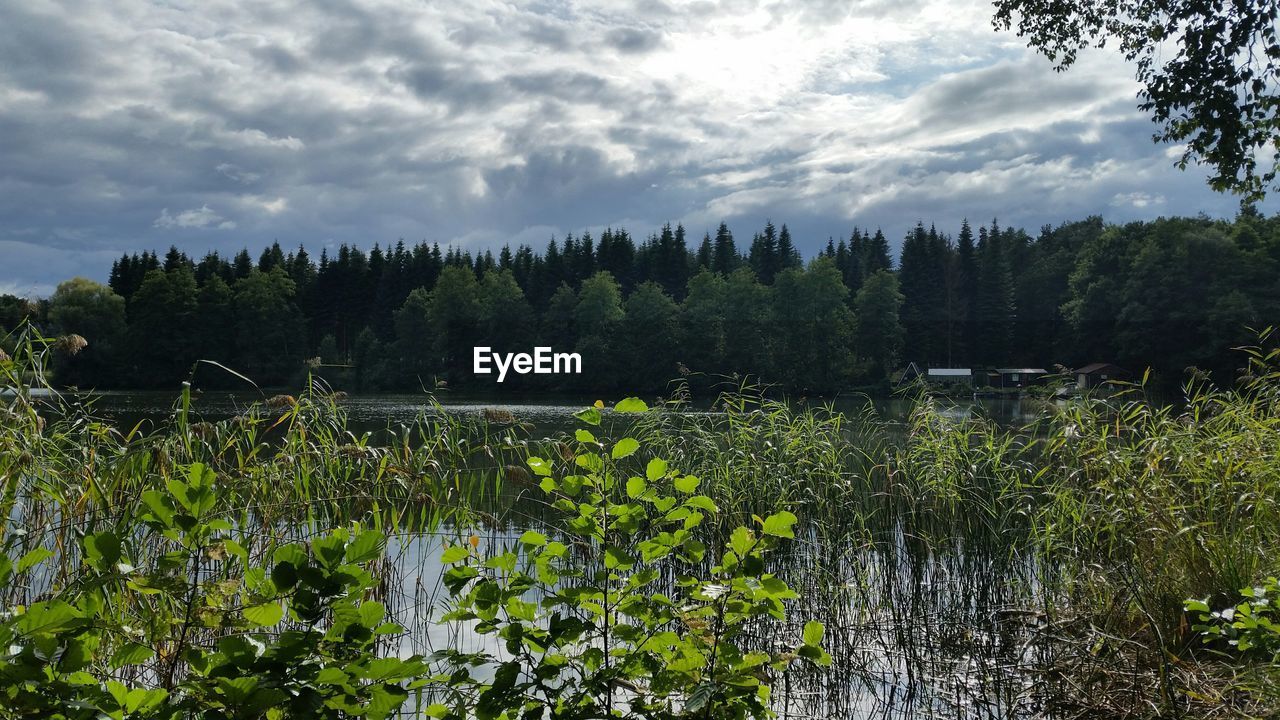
543, 414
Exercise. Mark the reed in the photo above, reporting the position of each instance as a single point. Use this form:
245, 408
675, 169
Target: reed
957, 564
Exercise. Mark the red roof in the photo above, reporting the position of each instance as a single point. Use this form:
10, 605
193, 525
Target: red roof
1100, 367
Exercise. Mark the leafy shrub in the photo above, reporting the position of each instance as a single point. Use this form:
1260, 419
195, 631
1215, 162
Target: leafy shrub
1251, 627
587, 626
202, 631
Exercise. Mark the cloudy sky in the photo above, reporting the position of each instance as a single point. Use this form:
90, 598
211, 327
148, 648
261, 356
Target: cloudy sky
214, 124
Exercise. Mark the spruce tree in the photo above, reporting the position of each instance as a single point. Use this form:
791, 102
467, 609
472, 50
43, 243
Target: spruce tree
704, 256
966, 295
726, 258
995, 298
242, 265
788, 256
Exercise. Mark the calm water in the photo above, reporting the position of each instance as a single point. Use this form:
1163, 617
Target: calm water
545, 414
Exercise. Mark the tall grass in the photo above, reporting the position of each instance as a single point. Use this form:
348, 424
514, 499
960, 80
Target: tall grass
1157, 504
957, 563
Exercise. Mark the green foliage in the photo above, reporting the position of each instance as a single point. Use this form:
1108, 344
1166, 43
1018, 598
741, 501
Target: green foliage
174, 590
879, 332
1170, 504
268, 326
589, 626
453, 316
415, 343
228, 630
507, 321
169, 549
1252, 626
651, 321
814, 326
92, 311
702, 326
161, 315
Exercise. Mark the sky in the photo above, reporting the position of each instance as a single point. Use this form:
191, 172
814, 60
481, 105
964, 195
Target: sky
216, 125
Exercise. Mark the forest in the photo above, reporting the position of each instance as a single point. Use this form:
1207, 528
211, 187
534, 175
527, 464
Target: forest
1169, 295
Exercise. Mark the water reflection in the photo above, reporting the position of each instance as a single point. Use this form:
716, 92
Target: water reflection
912, 634
547, 414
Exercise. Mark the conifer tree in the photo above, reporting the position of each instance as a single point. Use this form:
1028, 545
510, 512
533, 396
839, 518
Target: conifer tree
704, 256
242, 265
788, 256
726, 258
763, 257
995, 298
966, 295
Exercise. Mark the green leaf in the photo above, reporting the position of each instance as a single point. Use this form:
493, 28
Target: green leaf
617, 558
814, 654
237, 689
625, 448
533, 537
656, 468
33, 558
264, 615
702, 502
779, 525
366, 546
590, 462
631, 405
775, 587
1196, 606
48, 617
131, 653
332, 676
813, 632
741, 540
102, 549
455, 553
584, 436
687, 484
590, 416
141, 700
371, 613
636, 487
699, 698
539, 466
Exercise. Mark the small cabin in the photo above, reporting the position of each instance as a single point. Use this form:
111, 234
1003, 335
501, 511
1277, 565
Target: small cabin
1097, 374
1018, 377
935, 376
950, 376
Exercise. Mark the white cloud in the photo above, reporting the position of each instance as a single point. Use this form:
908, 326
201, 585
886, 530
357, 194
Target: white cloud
201, 217
238, 174
270, 206
1136, 199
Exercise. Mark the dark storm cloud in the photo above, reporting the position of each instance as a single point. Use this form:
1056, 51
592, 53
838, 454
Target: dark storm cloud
456, 86
634, 40
545, 32
43, 52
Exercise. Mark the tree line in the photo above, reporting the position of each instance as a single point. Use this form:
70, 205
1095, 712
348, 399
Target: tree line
1167, 294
